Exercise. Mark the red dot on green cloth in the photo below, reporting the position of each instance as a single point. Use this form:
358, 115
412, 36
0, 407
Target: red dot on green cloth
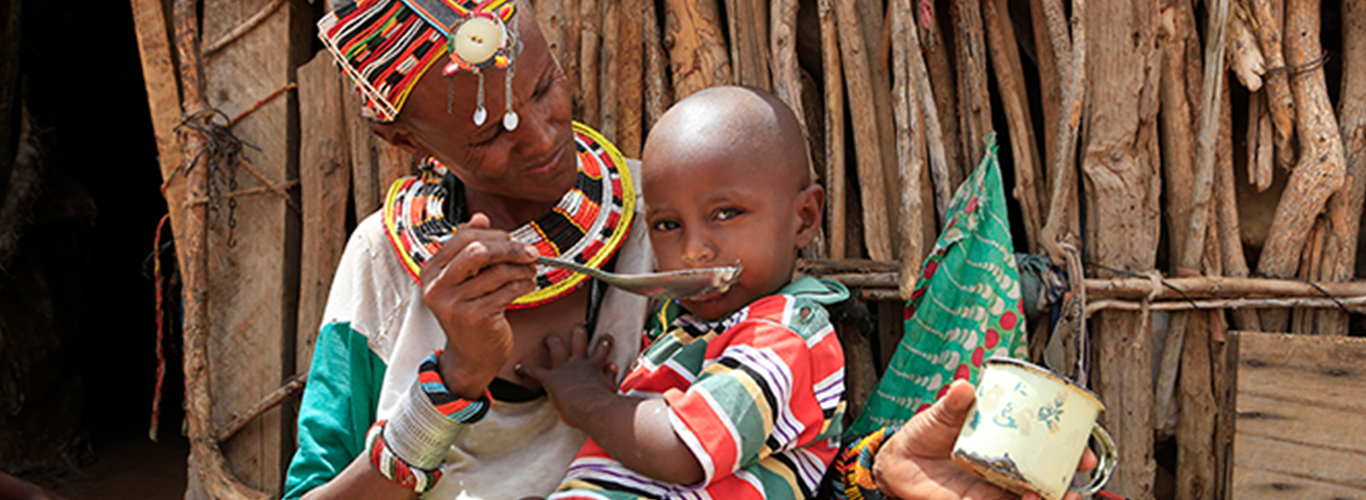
992, 338
1008, 320
978, 355
930, 268
962, 373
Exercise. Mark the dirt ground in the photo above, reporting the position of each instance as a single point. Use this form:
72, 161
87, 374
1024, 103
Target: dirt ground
127, 467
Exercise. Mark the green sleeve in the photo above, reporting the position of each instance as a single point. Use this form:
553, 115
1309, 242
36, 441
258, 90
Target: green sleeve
338, 408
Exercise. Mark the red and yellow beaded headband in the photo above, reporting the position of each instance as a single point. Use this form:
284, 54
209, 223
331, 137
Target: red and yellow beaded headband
385, 46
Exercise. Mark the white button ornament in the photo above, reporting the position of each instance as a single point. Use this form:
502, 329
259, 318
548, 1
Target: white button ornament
478, 39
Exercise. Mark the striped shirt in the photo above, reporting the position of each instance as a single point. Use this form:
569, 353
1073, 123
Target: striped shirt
757, 397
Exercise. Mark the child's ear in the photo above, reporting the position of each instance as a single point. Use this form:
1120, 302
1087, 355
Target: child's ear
810, 211
399, 135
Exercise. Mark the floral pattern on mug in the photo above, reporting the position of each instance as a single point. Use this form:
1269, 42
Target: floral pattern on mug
1050, 415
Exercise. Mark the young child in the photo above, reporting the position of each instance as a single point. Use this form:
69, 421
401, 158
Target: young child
738, 394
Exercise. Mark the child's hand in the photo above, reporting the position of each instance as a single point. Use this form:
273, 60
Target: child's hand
576, 381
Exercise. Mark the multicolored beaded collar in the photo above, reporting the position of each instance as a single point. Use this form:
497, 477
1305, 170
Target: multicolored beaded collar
587, 226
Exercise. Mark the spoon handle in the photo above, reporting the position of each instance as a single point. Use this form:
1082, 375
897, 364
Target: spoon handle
564, 264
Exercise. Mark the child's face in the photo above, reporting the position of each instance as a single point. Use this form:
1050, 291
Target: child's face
723, 208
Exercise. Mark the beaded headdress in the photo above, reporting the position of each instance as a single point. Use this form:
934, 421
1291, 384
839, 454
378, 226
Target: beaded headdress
587, 226
385, 46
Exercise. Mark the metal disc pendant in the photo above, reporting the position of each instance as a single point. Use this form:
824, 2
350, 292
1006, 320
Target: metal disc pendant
510, 120
480, 116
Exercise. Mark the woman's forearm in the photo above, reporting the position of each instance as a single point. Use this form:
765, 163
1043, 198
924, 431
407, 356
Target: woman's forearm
360, 481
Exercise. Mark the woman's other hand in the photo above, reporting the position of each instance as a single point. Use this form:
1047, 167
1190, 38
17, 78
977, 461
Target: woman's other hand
468, 285
916, 462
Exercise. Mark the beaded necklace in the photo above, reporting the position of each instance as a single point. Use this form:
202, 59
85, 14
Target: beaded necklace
587, 226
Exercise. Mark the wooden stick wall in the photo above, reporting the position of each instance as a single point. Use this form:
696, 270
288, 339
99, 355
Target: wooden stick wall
1135, 141
1122, 134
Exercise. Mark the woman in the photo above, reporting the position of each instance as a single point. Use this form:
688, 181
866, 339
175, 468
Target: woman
388, 416
400, 294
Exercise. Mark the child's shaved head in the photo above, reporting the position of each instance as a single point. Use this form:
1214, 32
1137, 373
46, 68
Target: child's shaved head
730, 122
725, 182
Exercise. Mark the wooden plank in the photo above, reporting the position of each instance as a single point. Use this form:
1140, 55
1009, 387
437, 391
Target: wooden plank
1327, 371
1300, 398
252, 269
1259, 484
1298, 463
325, 180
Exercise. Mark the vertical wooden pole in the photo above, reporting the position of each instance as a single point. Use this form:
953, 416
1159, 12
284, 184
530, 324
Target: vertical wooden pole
1320, 170
1267, 14
1120, 163
207, 465
1005, 60
1344, 208
1063, 211
697, 55
973, 100
834, 131
658, 91
748, 21
590, 55
609, 69
253, 285
941, 74
868, 150
910, 158
630, 81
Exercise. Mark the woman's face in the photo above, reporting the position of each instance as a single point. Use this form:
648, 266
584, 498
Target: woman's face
534, 162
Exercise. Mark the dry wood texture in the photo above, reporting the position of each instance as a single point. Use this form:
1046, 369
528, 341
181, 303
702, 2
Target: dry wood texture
1128, 98
1299, 400
163, 97
1344, 207
324, 180
254, 320
1120, 169
1005, 60
629, 76
941, 75
697, 48
834, 132
749, 56
974, 104
1321, 168
867, 145
910, 153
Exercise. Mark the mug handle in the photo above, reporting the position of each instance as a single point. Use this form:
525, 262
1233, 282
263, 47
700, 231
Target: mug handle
1108, 458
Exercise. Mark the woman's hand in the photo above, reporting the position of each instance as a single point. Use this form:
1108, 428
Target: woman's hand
468, 285
576, 381
916, 463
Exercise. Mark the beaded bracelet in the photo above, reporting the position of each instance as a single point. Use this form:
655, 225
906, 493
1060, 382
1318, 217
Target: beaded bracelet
456, 408
394, 468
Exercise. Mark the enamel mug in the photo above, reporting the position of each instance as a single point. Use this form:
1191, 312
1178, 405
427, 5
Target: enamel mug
1028, 429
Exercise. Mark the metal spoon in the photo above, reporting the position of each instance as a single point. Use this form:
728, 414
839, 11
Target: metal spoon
671, 284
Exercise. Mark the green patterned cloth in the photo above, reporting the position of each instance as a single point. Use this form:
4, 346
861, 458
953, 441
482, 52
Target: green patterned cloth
965, 308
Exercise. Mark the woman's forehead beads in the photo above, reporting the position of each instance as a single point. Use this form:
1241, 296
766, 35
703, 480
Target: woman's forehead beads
480, 39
